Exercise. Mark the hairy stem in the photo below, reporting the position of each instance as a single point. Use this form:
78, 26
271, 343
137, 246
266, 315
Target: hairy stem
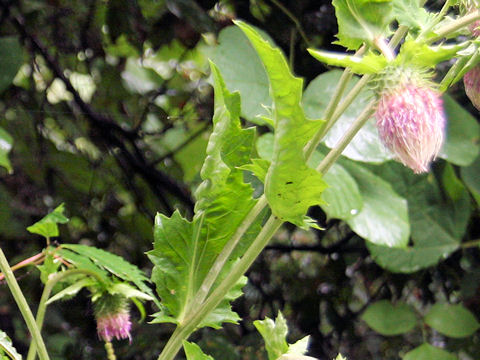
23, 306
110, 351
456, 25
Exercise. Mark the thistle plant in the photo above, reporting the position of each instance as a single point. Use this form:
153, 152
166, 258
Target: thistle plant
199, 262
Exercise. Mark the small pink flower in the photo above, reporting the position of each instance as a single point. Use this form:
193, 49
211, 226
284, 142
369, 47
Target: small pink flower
411, 122
113, 318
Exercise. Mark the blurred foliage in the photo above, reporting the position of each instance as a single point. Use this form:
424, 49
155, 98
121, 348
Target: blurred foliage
110, 112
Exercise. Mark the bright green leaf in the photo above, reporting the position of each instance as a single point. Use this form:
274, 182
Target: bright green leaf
6, 345
462, 144
185, 251
247, 76
428, 352
383, 219
367, 64
366, 145
452, 184
454, 321
437, 223
389, 319
193, 352
274, 334
362, 21
291, 186
47, 226
259, 168
11, 58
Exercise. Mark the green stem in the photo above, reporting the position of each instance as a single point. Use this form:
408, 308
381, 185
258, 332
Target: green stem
47, 290
183, 331
333, 155
110, 351
23, 306
227, 251
470, 244
384, 48
456, 25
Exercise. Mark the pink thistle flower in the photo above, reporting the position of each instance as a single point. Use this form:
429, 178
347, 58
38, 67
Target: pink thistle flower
113, 318
471, 80
411, 121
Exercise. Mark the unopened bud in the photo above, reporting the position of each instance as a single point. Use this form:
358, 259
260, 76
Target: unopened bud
410, 119
113, 317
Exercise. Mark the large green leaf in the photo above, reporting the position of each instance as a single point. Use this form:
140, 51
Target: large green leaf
437, 223
5, 147
383, 219
428, 352
11, 59
452, 320
389, 319
185, 251
366, 145
247, 75
362, 21
6, 345
470, 176
274, 333
463, 131
48, 226
291, 186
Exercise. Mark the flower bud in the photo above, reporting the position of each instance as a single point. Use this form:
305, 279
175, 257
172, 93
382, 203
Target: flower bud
113, 317
410, 118
471, 80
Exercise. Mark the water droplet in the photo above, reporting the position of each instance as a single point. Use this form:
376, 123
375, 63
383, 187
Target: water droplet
354, 211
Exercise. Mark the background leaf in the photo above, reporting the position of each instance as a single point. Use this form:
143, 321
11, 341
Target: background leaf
389, 319
11, 59
452, 320
366, 145
383, 219
248, 76
6, 142
428, 352
437, 224
410, 13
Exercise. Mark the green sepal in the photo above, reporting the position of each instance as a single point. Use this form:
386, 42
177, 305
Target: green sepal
368, 64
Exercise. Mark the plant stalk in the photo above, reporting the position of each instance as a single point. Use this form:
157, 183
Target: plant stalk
42, 306
23, 306
456, 25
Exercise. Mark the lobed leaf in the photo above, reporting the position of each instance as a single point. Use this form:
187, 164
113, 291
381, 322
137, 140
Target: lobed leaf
291, 186
47, 226
193, 352
410, 13
274, 334
185, 251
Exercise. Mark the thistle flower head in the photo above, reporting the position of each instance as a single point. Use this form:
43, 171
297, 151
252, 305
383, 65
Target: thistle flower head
410, 118
113, 317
